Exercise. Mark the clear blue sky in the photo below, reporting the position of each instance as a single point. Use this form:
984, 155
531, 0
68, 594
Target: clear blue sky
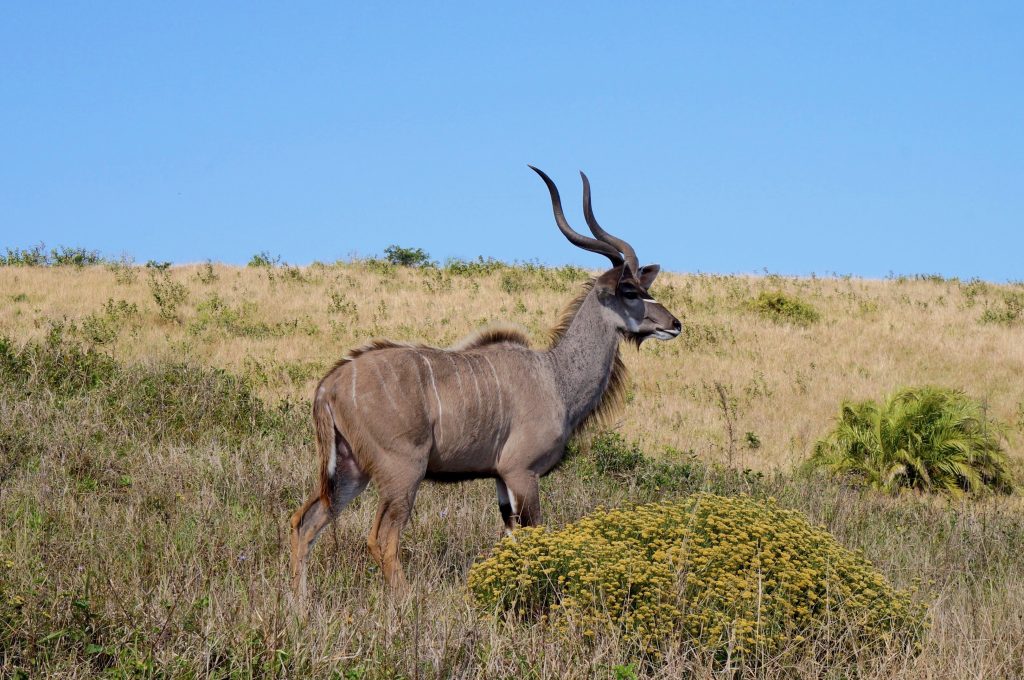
799, 137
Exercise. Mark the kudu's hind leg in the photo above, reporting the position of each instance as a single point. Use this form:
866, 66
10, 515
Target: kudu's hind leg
311, 519
392, 514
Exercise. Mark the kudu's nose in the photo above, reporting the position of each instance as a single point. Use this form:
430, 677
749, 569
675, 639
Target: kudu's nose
676, 325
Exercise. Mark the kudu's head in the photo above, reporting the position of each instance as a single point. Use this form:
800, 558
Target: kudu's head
623, 289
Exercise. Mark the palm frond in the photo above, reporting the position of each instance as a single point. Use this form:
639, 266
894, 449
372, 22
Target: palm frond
925, 438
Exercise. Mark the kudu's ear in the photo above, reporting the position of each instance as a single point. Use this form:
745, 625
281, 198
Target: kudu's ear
608, 282
647, 274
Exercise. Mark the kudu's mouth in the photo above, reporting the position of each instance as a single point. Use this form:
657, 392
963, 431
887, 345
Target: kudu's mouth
665, 334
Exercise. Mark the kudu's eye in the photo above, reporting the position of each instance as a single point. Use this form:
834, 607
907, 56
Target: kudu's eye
630, 294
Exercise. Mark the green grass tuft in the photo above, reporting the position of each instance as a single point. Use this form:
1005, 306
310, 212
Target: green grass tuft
782, 308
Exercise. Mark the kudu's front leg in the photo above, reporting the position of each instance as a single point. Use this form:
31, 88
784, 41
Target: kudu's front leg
522, 490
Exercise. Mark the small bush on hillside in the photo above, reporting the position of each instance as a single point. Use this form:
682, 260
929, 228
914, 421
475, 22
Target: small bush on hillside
782, 308
103, 326
167, 293
264, 260
735, 576
65, 256
924, 438
178, 402
523, 277
407, 257
477, 267
1010, 312
214, 313
124, 270
60, 256
26, 257
207, 274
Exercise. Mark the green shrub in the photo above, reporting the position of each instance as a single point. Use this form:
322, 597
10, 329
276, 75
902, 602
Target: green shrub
407, 257
924, 438
782, 308
59, 256
124, 270
65, 256
178, 402
528, 275
264, 260
340, 304
207, 274
477, 267
1010, 312
214, 313
167, 293
27, 257
102, 327
609, 457
734, 576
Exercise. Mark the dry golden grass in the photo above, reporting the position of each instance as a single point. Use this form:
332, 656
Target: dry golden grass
783, 382
141, 555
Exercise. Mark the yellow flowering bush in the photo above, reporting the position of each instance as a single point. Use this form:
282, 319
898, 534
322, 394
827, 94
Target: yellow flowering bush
732, 574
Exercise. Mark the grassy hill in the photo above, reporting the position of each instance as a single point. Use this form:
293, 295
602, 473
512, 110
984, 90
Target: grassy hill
783, 376
154, 439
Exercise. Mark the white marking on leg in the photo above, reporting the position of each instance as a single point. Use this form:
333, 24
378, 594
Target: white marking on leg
332, 459
504, 500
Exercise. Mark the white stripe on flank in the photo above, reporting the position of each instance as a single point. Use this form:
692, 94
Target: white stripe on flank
419, 378
501, 412
353, 383
384, 386
497, 385
476, 385
455, 365
332, 460
433, 384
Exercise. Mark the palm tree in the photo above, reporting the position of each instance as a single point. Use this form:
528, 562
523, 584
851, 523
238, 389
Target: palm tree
926, 438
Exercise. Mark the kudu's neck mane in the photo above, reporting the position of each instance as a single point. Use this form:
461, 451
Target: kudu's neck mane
589, 370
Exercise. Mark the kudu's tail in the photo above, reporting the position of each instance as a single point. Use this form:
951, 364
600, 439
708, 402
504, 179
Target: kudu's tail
327, 447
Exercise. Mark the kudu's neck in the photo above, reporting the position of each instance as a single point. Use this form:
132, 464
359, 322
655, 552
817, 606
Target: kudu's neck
582, 360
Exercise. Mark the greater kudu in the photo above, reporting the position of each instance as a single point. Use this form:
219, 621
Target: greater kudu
489, 407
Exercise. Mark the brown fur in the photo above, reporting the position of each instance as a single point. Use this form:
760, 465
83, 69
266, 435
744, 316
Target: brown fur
612, 401
581, 376
614, 397
325, 433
